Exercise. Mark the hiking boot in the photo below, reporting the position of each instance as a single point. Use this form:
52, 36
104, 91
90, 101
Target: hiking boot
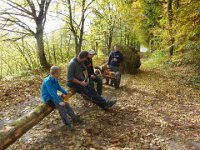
78, 120
70, 128
109, 104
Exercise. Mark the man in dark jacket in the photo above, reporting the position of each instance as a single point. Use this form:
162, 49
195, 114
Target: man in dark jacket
77, 78
92, 77
115, 59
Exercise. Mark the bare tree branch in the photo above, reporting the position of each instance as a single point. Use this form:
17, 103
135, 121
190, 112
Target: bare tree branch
18, 7
19, 23
14, 31
32, 6
16, 38
45, 11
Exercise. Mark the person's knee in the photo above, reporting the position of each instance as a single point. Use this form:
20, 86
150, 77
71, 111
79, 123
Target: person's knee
89, 89
91, 84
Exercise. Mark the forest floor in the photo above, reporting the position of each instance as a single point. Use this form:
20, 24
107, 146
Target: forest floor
153, 112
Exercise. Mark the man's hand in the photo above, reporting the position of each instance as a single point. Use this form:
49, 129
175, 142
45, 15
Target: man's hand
93, 76
63, 96
87, 82
84, 83
69, 92
62, 103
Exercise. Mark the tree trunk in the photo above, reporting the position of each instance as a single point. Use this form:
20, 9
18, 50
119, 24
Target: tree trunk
48, 49
77, 46
54, 51
109, 43
97, 48
177, 4
40, 48
1, 76
68, 49
29, 55
61, 54
10, 133
170, 19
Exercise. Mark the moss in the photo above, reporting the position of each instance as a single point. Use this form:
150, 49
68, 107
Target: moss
39, 109
1, 135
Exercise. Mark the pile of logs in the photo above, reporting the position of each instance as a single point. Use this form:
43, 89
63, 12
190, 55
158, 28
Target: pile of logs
132, 61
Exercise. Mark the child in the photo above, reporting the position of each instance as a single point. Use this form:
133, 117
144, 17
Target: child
49, 95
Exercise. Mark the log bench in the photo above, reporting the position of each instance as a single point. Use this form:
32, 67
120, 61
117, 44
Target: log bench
11, 132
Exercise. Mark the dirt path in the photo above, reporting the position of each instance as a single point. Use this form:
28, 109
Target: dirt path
152, 112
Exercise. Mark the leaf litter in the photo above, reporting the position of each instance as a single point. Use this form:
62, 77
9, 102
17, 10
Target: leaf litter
152, 112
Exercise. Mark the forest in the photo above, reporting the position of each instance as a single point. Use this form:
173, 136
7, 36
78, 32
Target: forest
157, 97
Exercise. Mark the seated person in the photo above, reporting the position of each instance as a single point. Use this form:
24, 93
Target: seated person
77, 78
115, 59
92, 77
49, 95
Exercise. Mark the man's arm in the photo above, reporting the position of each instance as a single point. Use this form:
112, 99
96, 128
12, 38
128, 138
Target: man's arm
92, 68
70, 74
76, 81
85, 72
121, 58
89, 66
61, 89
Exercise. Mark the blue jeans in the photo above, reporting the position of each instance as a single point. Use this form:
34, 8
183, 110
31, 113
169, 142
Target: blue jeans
64, 111
98, 80
114, 68
90, 93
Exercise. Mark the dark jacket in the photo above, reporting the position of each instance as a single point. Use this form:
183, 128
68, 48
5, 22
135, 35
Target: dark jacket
118, 55
89, 65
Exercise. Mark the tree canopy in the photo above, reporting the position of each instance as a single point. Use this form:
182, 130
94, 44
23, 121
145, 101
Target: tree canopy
42, 32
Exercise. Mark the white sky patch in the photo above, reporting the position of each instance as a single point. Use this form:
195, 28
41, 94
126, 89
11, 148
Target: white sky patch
143, 49
54, 21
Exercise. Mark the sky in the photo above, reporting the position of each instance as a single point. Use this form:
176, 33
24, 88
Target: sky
52, 23
143, 49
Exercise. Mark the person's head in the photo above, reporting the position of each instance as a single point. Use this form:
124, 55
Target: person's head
91, 53
55, 71
82, 56
116, 47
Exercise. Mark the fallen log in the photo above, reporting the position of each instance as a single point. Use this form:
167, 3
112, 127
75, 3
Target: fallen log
11, 132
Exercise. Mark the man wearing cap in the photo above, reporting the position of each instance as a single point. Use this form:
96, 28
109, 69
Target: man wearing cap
77, 78
92, 77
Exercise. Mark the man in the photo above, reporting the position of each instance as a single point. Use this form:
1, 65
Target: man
115, 59
92, 77
77, 78
49, 95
